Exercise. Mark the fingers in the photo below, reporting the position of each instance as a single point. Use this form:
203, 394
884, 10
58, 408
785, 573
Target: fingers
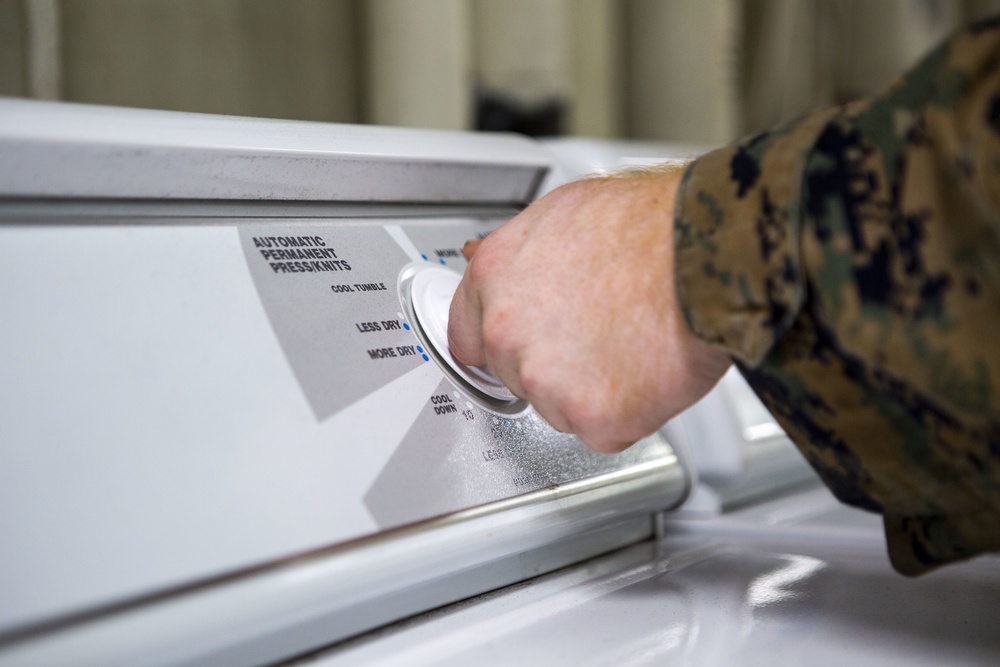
465, 319
465, 326
472, 345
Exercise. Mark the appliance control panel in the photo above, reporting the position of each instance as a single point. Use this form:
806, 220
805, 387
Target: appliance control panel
361, 310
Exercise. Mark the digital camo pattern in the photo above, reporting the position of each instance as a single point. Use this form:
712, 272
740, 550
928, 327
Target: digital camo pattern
865, 311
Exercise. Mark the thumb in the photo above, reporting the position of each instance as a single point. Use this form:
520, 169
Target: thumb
470, 248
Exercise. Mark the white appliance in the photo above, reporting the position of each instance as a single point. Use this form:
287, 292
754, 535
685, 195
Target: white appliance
230, 435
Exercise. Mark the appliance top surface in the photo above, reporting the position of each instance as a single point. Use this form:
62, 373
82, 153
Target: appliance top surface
791, 593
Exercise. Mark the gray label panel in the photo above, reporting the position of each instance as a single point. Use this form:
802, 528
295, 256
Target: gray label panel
330, 293
443, 245
459, 455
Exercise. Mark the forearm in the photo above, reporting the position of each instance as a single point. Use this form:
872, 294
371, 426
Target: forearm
866, 309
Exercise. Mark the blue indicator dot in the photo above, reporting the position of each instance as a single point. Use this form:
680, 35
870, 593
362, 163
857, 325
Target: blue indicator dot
424, 256
419, 349
406, 326
441, 260
426, 358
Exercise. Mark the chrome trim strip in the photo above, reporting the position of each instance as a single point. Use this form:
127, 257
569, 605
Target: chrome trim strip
64, 150
42, 212
313, 599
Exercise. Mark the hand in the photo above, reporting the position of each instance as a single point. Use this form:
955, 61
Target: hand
572, 305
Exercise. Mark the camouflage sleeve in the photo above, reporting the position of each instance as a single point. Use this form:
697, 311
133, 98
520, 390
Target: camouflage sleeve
850, 264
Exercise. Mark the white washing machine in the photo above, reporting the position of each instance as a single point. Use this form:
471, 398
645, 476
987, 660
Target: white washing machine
231, 434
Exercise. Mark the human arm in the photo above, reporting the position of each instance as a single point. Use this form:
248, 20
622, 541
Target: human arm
848, 261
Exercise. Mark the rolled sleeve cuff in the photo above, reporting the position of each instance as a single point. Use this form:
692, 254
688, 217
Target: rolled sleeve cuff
737, 219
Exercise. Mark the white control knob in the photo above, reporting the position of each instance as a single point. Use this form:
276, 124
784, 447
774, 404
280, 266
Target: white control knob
431, 292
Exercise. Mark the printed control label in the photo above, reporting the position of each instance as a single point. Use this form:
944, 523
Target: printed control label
330, 293
299, 254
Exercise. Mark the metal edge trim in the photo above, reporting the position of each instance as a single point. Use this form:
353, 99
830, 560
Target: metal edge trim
557, 497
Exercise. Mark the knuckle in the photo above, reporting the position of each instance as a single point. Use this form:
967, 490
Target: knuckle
585, 414
598, 424
499, 332
487, 264
535, 381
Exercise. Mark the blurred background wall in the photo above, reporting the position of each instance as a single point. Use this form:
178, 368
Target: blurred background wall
695, 71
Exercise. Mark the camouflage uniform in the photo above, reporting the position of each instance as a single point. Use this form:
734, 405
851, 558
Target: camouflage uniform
850, 263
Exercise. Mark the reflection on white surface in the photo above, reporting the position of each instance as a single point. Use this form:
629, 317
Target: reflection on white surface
793, 593
738, 450
404, 242
751, 414
531, 611
650, 649
715, 602
763, 431
776, 586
